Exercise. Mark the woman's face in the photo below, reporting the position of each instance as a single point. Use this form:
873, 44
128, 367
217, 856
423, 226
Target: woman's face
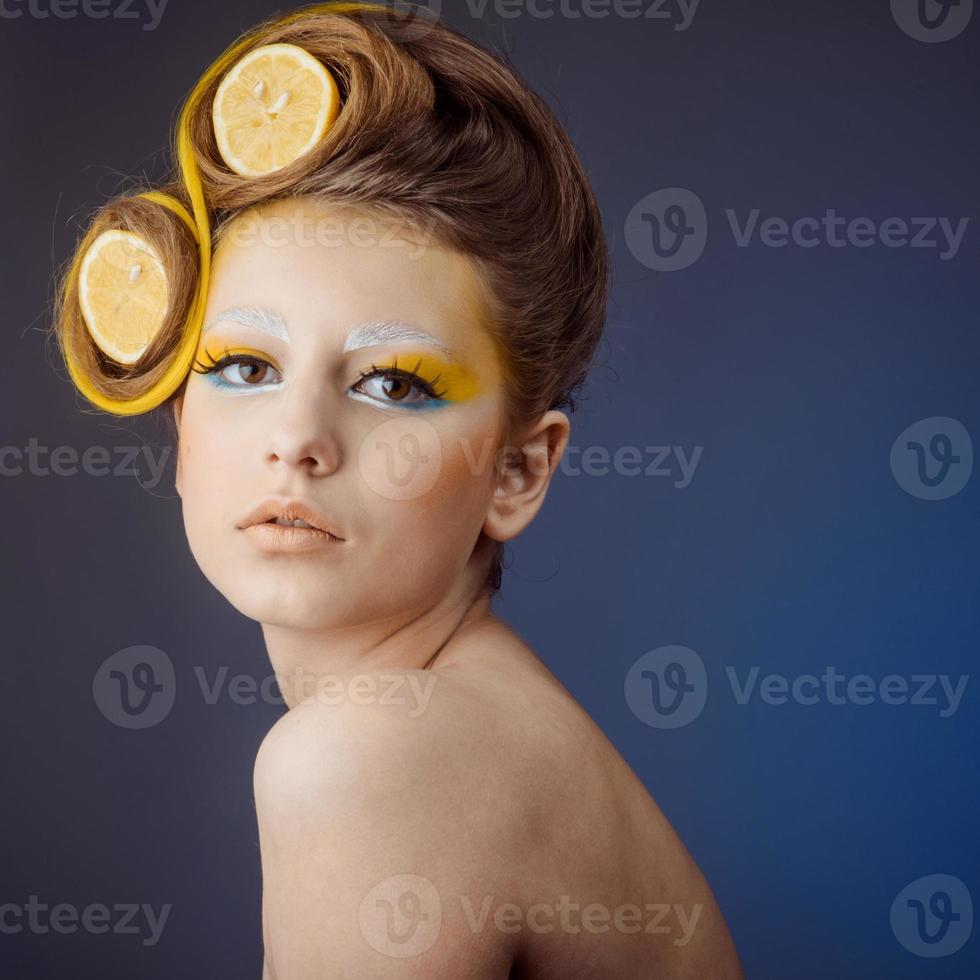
400, 465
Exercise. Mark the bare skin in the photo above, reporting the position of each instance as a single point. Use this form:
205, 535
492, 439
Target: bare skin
434, 804
501, 792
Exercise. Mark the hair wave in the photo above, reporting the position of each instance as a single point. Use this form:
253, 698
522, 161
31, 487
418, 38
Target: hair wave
433, 129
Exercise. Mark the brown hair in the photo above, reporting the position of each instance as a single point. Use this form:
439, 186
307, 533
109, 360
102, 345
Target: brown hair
433, 130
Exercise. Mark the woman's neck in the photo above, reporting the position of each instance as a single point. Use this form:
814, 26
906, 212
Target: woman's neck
309, 663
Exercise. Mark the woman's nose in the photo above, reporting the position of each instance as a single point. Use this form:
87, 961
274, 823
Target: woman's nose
304, 434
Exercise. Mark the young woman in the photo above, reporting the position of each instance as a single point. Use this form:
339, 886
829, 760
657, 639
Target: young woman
378, 280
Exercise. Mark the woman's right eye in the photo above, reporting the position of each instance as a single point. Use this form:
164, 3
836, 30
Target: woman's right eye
246, 371
240, 371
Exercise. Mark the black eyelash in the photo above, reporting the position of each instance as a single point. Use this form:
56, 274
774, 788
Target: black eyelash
222, 362
426, 387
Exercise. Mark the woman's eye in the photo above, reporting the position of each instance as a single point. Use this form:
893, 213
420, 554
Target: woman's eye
392, 386
244, 372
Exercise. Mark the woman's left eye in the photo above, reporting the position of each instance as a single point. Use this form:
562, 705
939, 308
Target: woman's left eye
397, 387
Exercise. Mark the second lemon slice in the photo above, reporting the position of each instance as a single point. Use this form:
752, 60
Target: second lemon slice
123, 292
272, 107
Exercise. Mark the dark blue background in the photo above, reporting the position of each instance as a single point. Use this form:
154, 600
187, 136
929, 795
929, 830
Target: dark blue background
793, 548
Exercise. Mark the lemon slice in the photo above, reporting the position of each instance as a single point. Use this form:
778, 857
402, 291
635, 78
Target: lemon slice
273, 106
124, 294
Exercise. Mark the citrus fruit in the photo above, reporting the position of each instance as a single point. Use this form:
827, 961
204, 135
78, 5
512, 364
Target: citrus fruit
273, 106
124, 295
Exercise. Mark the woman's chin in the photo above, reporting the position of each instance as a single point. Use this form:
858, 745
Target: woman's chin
314, 604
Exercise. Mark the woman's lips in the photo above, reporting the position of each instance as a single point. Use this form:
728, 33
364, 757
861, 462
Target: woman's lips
272, 537
287, 510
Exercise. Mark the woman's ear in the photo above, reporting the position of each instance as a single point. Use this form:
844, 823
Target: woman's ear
523, 475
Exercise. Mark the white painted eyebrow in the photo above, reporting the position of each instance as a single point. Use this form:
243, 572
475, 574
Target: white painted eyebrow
254, 316
383, 332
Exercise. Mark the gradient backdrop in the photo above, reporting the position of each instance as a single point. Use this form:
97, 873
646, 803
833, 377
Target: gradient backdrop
811, 516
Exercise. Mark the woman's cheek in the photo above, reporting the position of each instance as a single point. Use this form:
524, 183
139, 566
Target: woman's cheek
210, 475
401, 458
434, 470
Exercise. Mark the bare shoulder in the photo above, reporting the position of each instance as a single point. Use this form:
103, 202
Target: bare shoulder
479, 803
399, 733
383, 823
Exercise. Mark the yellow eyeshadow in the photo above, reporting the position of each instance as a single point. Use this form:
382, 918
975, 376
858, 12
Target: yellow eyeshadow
215, 350
452, 381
